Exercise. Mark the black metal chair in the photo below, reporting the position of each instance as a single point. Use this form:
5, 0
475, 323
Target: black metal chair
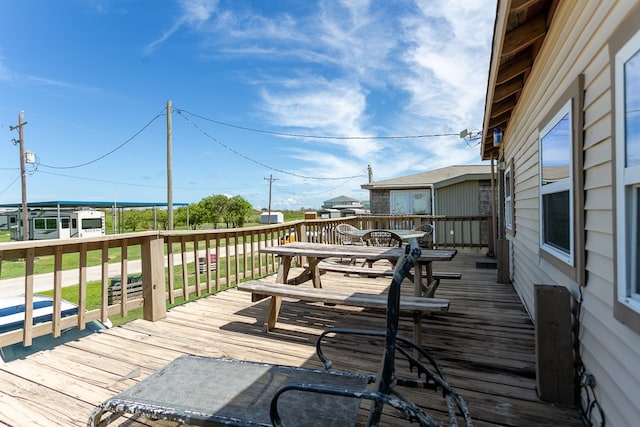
212, 391
427, 240
386, 238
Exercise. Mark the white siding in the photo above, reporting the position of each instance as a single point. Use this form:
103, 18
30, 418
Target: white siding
577, 44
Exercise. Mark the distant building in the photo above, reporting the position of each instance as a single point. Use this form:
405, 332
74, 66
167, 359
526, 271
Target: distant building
342, 202
453, 190
276, 218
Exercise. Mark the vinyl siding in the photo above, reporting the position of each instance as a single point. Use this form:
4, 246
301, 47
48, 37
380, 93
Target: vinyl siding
577, 44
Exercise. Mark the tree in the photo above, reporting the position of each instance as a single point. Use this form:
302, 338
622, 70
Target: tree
180, 216
214, 208
197, 214
236, 211
133, 218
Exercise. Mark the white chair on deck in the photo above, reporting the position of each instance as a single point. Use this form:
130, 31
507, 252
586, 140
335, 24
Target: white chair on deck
345, 234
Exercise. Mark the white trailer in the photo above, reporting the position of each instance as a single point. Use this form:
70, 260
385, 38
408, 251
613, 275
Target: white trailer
61, 224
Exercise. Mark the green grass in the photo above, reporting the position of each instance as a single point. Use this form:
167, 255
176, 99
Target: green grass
94, 290
16, 268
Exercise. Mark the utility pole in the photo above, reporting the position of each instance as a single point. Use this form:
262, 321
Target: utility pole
270, 179
23, 174
169, 170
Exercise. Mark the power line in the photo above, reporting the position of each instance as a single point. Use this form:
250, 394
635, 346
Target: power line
10, 184
110, 152
118, 182
256, 161
309, 136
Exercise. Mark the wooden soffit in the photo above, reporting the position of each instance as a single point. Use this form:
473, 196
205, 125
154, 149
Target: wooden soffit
520, 29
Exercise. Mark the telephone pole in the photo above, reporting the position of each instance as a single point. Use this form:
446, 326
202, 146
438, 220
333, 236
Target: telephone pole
270, 179
169, 169
23, 174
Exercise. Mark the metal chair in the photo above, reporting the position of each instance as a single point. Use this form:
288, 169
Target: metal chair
385, 238
212, 391
344, 231
427, 240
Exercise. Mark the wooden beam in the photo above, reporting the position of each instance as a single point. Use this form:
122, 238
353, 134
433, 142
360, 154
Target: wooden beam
507, 89
524, 36
510, 69
520, 5
500, 120
503, 106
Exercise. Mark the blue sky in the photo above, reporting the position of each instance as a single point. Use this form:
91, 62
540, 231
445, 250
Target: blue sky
93, 78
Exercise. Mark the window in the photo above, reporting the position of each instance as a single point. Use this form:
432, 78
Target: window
410, 202
627, 141
508, 207
45, 224
39, 224
91, 223
556, 186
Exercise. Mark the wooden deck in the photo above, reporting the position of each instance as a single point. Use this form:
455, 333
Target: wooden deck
485, 345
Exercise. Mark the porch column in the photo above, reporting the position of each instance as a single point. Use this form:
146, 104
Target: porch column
153, 278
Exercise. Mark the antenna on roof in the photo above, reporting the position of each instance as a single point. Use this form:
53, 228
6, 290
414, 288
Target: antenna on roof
471, 137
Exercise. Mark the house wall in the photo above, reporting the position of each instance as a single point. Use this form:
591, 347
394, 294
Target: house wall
380, 202
449, 200
467, 198
577, 44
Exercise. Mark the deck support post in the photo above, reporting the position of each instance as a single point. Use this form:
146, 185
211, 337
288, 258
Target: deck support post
153, 278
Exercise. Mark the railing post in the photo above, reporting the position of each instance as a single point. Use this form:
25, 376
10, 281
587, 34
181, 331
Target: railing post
301, 231
153, 278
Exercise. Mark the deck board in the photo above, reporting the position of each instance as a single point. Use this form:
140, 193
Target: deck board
484, 344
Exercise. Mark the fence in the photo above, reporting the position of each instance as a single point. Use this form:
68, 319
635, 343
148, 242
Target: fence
170, 267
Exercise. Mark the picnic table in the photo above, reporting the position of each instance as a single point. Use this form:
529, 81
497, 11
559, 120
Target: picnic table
316, 252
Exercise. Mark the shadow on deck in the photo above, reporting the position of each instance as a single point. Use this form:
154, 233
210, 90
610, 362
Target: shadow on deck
485, 345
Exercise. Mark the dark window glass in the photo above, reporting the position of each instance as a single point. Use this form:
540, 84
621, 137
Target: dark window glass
555, 210
91, 223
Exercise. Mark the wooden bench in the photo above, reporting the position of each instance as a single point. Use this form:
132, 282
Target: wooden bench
430, 290
277, 290
114, 292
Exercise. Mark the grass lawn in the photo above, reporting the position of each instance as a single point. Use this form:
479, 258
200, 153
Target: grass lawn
16, 268
94, 291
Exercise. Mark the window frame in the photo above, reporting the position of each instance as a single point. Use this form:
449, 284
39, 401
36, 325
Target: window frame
620, 37
508, 198
625, 44
558, 187
574, 94
426, 191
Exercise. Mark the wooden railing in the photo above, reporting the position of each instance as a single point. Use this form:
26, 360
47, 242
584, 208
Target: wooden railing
169, 263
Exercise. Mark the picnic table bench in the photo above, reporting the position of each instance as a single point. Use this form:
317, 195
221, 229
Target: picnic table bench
429, 290
278, 290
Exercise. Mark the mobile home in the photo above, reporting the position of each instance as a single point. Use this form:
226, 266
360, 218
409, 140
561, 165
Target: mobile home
59, 224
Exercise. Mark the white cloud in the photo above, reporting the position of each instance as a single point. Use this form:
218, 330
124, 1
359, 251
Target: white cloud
194, 14
332, 71
450, 59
